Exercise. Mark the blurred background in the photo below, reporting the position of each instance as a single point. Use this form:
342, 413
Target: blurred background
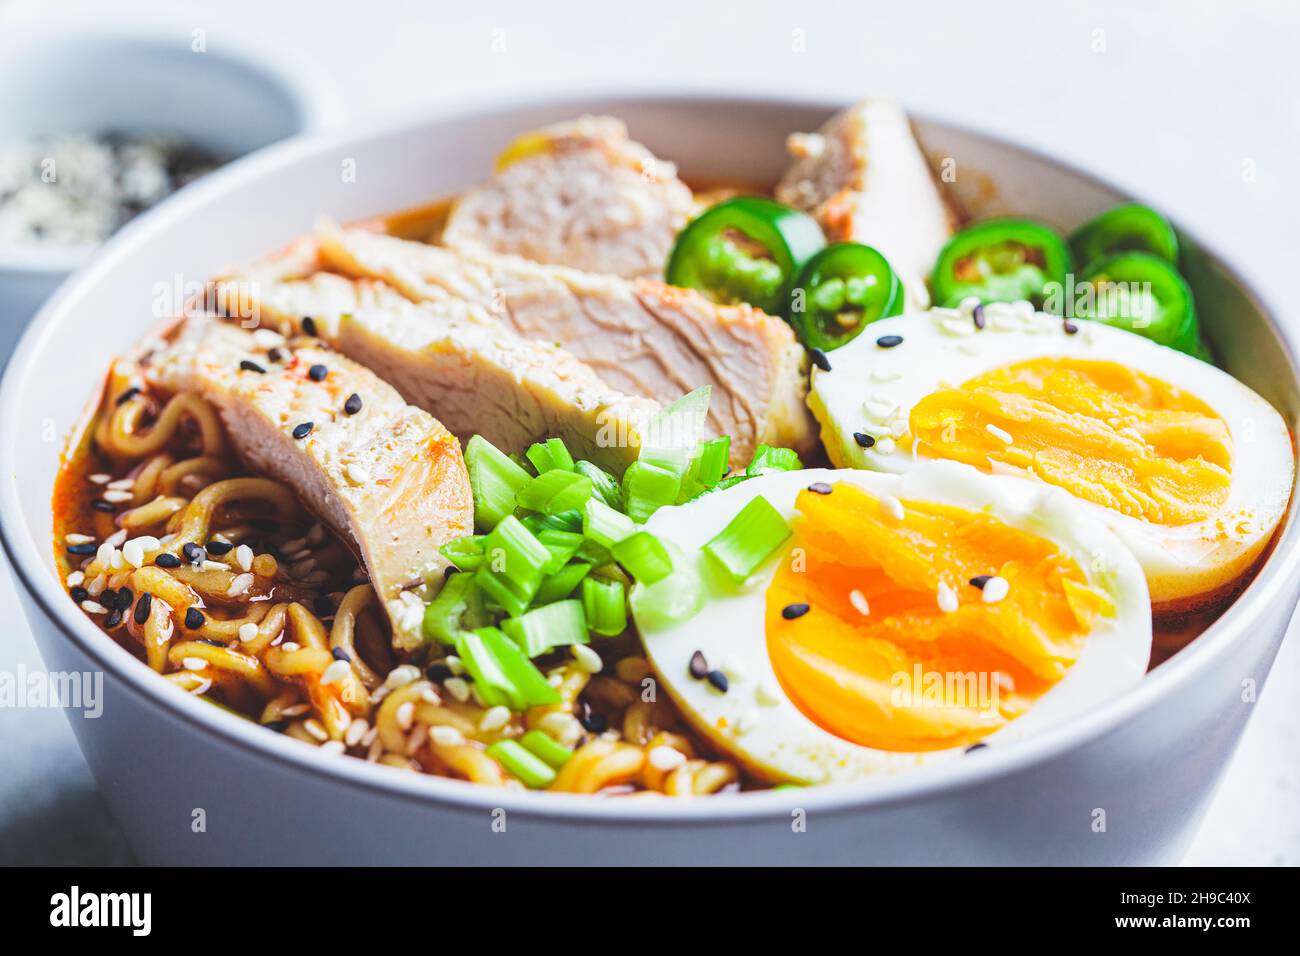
1194, 106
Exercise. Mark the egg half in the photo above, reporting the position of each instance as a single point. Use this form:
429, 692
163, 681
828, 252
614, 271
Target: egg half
1188, 466
906, 618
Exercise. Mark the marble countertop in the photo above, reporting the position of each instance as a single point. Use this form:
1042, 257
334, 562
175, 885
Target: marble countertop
1182, 102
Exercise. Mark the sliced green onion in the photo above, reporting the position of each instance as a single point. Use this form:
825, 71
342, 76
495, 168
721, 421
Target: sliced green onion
647, 488
514, 565
564, 521
711, 463
503, 675
555, 625
562, 583
466, 553
670, 437
550, 455
494, 480
749, 539
644, 556
442, 618
766, 458
602, 483
555, 492
531, 769
605, 604
563, 545
669, 600
546, 748
603, 525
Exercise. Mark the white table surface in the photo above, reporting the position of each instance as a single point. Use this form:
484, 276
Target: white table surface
1194, 105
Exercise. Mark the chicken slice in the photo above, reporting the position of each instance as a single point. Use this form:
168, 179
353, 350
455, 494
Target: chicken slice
865, 178
641, 337
577, 194
387, 478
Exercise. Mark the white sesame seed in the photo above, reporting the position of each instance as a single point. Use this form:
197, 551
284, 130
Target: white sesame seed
457, 687
418, 736
405, 714
289, 646
766, 694
194, 663
332, 747
376, 750
133, 554
401, 676
99, 478
454, 664
734, 668
336, 672
247, 631
104, 554
859, 602
297, 544
313, 727
995, 589
947, 598
893, 507
96, 587
93, 607
1001, 434
74, 538
244, 557
118, 562
302, 568
117, 496
122, 483
211, 565
316, 534
147, 542
445, 736
295, 710
496, 718
75, 578
356, 474
747, 720
356, 731
240, 585
267, 338
587, 660
885, 446
665, 758
202, 687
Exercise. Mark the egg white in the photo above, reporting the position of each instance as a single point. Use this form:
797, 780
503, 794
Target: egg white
873, 390
766, 732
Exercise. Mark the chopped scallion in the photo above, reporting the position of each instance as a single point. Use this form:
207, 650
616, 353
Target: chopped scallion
749, 539
494, 480
442, 618
502, 674
562, 583
647, 488
602, 483
766, 458
605, 605
643, 556
546, 748
555, 492
555, 625
603, 525
550, 455
466, 553
514, 565
530, 768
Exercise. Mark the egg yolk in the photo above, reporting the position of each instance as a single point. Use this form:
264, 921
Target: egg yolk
898, 650
1106, 433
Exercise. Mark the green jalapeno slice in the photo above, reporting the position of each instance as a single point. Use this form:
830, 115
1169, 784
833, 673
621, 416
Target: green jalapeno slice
1129, 228
1001, 260
840, 291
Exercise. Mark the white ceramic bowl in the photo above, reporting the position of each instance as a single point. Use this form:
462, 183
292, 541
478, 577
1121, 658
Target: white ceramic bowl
1127, 784
230, 97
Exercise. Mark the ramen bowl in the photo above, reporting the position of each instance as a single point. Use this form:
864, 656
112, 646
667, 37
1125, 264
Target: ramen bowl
192, 784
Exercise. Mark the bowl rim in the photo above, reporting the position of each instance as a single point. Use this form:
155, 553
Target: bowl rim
879, 792
314, 97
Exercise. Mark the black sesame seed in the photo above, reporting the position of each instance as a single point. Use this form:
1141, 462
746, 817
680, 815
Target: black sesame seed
591, 721
699, 666
863, 439
323, 606
193, 553
309, 325
977, 746
248, 365
449, 571
819, 359
303, 430
718, 680
341, 655
317, 373
279, 726
792, 611
166, 560
83, 550
143, 607
219, 548
194, 618
977, 316
1069, 327
105, 506
820, 488
980, 580
276, 355
79, 594
889, 341
108, 598
129, 394
353, 404
125, 598
114, 618
437, 672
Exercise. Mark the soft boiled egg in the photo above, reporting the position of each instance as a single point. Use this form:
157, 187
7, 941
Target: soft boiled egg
1188, 466
904, 619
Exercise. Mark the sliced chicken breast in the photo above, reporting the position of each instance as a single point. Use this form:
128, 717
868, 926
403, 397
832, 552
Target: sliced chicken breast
456, 361
577, 194
641, 337
385, 476
865, 178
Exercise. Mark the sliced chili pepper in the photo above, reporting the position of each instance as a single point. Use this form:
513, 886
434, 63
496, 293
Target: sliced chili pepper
745, 249
1144, 294
1130, 228
840, 291
1001, 260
